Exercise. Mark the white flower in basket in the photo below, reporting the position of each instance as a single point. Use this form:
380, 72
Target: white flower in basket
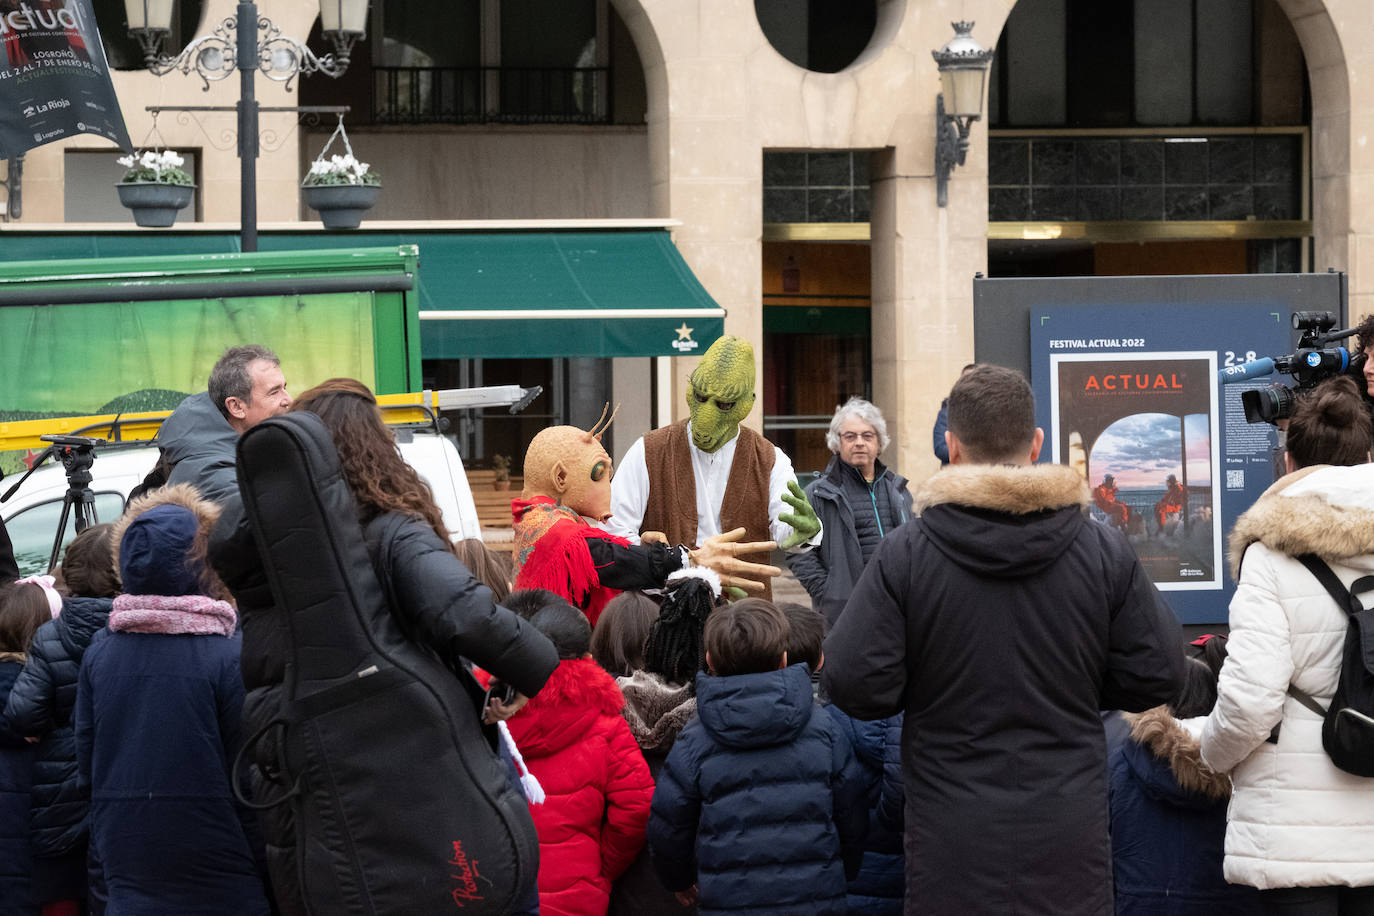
152, 166
341, 170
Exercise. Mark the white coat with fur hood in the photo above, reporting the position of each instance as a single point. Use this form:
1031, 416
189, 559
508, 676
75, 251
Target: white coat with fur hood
1295, 819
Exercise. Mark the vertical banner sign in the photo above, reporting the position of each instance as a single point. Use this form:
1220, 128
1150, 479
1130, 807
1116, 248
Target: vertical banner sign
55, 81
1129, 397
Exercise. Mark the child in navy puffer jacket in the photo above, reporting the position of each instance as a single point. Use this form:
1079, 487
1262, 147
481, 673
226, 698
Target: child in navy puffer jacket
1168, 808
759, 805
878, 888
158, 709
23, 608
41, 706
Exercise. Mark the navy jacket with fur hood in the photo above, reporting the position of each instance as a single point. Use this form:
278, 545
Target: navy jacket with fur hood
158, 712
1001, 620
1169, 824
760, 800
41, 706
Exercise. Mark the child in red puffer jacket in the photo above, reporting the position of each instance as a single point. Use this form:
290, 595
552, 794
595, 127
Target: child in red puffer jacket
596, 784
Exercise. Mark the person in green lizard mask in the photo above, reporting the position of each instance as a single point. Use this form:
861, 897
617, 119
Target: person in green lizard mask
708, 474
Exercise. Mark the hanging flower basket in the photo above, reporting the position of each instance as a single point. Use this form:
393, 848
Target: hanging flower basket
154, 187
341, 206
340, 188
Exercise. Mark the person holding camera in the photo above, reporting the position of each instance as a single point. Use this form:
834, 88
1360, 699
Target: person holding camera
1364, 341
1299, 829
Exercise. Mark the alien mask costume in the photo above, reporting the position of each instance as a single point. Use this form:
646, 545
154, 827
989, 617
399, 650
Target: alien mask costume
709, 474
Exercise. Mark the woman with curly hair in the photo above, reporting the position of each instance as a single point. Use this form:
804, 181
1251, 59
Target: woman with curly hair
436, 601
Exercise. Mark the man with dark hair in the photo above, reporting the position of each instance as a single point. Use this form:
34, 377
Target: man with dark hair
1001, 620
247, 386
197, 441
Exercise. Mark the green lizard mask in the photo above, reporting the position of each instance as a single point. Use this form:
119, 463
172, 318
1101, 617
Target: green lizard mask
720, 392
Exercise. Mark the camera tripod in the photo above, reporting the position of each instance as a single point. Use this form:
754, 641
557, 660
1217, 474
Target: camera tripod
76, 454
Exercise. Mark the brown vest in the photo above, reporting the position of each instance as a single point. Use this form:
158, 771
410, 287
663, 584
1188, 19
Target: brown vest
672, 504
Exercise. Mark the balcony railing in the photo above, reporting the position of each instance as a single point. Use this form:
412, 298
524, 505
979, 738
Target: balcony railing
491, 95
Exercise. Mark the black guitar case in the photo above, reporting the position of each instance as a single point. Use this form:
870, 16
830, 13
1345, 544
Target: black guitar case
400, 803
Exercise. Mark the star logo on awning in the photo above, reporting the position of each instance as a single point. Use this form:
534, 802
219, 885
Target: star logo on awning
684, 332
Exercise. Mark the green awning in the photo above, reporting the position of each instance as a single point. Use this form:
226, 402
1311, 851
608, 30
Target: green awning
563, 294
497, 294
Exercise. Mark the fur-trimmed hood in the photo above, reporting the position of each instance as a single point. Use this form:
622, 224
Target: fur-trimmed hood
1003, 522
562, 712
1324, 510
187, 497
656, 710
1158, 739
1014, 489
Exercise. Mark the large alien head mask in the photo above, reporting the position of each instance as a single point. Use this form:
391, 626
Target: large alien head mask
569, 465
720, 392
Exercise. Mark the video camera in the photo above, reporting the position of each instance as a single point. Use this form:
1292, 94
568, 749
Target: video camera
1311, 364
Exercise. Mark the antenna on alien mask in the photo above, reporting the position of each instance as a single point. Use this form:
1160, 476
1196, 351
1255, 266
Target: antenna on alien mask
599, 427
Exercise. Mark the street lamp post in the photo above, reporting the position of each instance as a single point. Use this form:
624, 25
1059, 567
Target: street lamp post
247, 43
963, 67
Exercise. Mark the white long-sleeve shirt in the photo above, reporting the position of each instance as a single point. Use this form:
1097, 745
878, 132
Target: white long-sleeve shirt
711, 473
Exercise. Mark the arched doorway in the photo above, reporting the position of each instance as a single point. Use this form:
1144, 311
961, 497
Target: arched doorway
1154, 137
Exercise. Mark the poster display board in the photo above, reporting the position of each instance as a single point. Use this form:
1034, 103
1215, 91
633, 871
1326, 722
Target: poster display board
1124, 371
1142, 429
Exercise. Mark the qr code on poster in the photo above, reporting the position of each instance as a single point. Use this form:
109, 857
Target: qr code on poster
1235, 480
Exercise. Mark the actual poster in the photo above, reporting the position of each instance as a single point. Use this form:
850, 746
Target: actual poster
54, 79
1142, 428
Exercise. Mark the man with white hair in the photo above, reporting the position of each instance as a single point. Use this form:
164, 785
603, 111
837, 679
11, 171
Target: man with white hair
859, 502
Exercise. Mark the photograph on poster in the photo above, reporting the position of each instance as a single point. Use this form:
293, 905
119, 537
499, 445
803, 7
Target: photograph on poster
1142, 430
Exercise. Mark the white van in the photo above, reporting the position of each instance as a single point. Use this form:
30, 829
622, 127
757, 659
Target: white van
31, 515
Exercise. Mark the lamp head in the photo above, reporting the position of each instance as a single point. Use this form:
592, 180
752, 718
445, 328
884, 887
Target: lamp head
963, 64
148, 15
342, 22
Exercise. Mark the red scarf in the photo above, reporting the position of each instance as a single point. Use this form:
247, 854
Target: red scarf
551, 552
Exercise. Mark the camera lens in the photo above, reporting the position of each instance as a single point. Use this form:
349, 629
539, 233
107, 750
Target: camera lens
1319, 320
1265, 405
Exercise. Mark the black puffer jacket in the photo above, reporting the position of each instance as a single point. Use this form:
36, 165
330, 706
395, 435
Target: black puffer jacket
40, 705
447, 610
856, 516
1001, 620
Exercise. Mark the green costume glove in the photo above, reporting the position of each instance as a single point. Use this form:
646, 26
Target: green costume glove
803, 521
734, 594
